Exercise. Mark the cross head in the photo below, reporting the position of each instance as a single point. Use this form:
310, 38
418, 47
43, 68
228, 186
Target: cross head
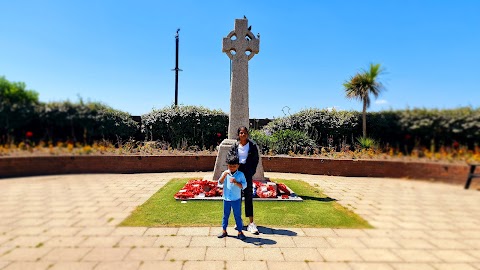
240, 43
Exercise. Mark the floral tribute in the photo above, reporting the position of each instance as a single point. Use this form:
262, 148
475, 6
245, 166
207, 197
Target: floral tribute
199, 188
270, 189
205, 189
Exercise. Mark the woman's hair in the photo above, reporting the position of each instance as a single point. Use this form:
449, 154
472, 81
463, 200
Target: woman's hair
240, 128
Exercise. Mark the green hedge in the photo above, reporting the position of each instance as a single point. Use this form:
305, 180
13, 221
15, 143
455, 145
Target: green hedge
284, 142
325, 127
201, 128
186, 126
441, 127
17, 109
83, 122
410, 128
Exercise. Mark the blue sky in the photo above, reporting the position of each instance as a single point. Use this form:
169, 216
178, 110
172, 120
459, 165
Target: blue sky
121, 52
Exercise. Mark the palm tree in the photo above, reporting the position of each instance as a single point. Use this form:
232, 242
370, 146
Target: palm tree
361, 86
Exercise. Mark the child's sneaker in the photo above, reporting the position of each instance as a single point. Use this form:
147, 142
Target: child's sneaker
241, 236
222, 235
252, 228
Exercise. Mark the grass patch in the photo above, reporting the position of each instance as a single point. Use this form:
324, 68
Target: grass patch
317, 210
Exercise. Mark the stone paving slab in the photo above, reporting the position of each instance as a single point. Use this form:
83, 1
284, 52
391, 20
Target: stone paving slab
70, 222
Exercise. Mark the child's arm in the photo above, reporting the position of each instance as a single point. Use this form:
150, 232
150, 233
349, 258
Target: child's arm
237, 183
242, 181
222, 177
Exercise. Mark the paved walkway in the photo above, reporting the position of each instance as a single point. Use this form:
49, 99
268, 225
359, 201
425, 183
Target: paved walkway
69, 222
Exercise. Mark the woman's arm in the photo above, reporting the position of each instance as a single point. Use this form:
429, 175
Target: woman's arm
253, 158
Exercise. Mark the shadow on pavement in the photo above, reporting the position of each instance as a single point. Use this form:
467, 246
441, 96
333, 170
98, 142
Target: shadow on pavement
326, 199
266, 230
257, 241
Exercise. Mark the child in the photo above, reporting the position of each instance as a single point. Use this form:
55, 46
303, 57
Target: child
233, 182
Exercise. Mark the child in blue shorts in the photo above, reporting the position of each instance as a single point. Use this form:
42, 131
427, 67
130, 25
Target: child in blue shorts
234, 182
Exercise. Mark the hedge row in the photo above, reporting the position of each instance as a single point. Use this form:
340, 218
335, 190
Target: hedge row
411, 127
22, 116
76, 122
186, 126
198, 127
17, 107
180, 127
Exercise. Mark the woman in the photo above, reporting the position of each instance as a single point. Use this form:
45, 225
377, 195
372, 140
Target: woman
247, 152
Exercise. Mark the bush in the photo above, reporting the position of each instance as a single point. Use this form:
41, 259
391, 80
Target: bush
366, 143
23, 117
323, 126
403, 129
186, 126
85, 122
263, 140
441, 127
292, 141
17, 108
283, 142
113, 124
383, 126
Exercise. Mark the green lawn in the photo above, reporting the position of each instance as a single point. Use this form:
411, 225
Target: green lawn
316, 210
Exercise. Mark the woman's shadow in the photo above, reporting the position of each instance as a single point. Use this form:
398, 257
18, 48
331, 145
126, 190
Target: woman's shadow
260, 241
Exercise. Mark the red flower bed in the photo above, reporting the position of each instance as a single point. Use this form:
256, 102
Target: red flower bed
270, 189
198, 187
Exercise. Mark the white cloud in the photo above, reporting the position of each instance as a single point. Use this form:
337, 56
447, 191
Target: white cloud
381, 102
333, 108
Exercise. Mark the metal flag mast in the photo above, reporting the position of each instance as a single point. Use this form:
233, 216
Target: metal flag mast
176, 67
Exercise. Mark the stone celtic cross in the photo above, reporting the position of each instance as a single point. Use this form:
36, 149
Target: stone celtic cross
240, 45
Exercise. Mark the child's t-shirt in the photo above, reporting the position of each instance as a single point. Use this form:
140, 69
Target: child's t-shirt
243, 152
232, 192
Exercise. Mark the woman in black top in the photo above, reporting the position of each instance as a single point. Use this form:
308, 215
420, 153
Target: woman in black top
248, 154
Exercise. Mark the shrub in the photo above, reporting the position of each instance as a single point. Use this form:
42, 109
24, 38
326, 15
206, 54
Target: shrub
403, 128
366, 142
383, 126
186, 126
292, 141
113, 124
283, 142
85, 122
323, 126
17, 108
442, 127
263, 140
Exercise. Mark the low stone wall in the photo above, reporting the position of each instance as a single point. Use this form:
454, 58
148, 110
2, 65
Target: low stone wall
29, 166
448, 173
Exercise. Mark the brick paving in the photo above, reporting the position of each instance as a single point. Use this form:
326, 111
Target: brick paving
70, 222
